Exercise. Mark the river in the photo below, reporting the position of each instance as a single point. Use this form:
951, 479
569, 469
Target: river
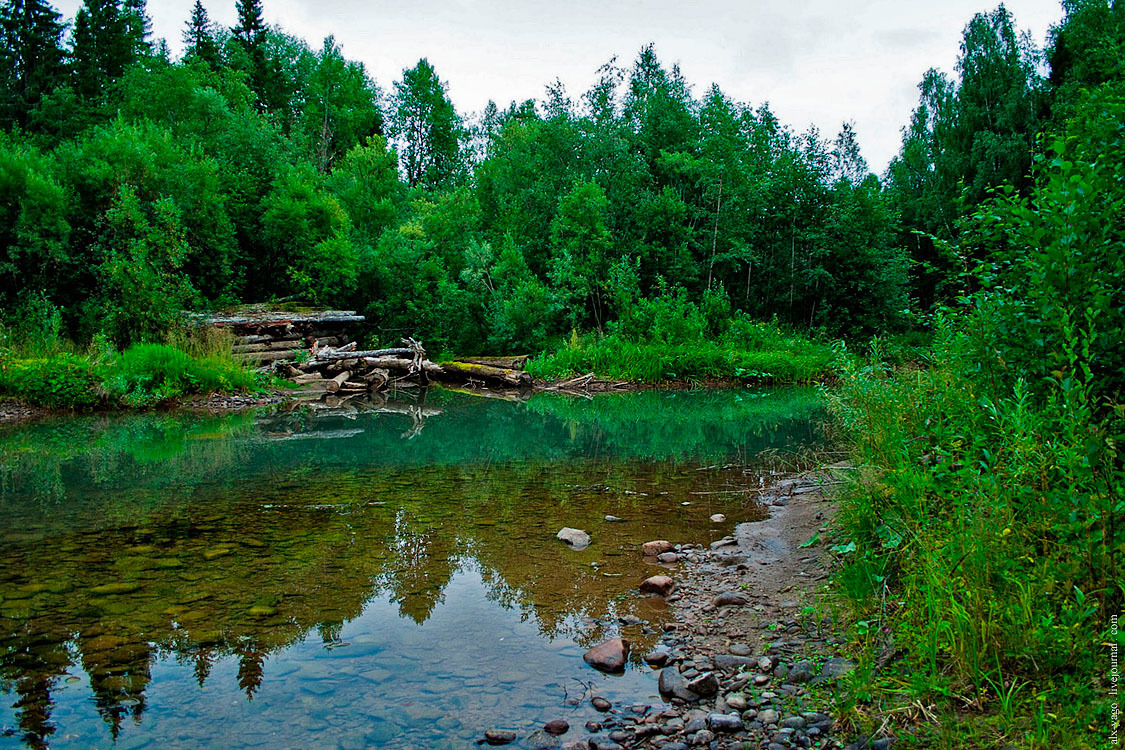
381, 576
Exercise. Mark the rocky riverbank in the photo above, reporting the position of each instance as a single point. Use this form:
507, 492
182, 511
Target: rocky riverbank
752, 659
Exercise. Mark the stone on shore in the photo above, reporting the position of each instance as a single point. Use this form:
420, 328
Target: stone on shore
608, 656
730, 598
672, 683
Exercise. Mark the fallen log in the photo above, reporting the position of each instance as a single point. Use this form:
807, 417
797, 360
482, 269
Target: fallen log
334, 354
504, 363
264, 356
337, 382
487, 373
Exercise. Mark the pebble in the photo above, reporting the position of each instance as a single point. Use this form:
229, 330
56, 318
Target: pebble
737, 702
668, 557
725, 722
769, 716
718, 518
703, 738
600, 704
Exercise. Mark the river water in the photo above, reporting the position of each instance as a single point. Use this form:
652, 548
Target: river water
384, 575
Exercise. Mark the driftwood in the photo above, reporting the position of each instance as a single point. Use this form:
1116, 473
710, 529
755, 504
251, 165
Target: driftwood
486, 373
334, 384
504, 363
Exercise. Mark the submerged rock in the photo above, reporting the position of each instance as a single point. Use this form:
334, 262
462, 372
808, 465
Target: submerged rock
113, 588
499, 737
576, 538
718, 518
557, 726
540, 740
658, 585
600, 704
608, 656
614, 519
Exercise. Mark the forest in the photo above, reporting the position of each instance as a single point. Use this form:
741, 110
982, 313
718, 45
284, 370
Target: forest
980, 277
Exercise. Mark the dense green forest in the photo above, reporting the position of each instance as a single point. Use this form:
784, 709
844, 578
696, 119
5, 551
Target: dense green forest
983, 540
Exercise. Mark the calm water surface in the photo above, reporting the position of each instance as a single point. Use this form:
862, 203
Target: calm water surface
379, 576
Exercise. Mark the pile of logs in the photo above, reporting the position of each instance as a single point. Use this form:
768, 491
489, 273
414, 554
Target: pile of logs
346, 370
265, 336
312, 349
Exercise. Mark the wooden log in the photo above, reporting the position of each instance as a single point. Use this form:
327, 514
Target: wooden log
486, 373
504, 363
272, 346
312, 377
264, 356
337, 382
397, 352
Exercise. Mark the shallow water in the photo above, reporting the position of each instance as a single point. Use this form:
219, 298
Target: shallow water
385, 575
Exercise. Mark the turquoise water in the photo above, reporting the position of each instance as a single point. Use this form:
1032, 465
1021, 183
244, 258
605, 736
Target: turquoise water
381, 575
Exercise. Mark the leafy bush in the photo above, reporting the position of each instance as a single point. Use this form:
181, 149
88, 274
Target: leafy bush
59, 381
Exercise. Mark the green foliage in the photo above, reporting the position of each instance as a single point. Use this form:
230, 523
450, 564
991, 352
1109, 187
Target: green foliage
149, 374
428, 129
309, 236
669, 338
58, 381
142, 290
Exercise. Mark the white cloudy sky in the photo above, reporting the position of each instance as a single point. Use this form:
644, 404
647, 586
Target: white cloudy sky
819, 62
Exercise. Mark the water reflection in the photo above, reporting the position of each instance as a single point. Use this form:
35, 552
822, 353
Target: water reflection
392, 566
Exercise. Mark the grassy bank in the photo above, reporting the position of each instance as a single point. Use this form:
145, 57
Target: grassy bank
143, 375
746, 350
982, 547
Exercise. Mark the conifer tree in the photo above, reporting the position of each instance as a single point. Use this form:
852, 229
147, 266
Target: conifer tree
199, 36
105, 44
31, 57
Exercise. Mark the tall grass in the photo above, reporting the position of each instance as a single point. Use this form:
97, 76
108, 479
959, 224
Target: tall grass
987, 523
746, 350
49, 371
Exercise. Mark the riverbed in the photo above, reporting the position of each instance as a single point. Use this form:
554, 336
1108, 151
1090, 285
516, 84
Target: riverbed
381, 575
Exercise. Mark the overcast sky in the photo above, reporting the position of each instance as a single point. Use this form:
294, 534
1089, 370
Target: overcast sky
817, 62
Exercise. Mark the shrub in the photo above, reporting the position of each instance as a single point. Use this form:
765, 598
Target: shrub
59, 381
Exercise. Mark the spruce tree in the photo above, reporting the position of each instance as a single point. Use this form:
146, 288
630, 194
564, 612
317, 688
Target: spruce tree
199, 36
138, 26
251, 34
31, 57
105, 44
